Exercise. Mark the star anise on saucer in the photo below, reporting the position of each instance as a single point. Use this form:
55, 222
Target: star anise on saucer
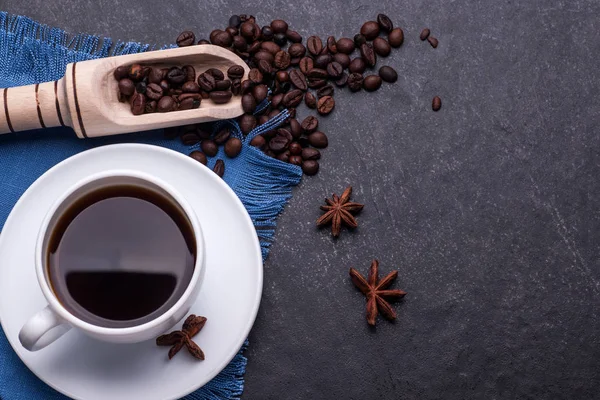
377, 292
339, 210
178, 339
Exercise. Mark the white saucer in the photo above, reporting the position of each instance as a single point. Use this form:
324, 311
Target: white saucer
83, 368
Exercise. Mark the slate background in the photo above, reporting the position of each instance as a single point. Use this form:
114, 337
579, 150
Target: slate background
489, 208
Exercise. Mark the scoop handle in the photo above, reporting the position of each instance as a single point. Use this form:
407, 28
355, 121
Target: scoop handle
42, 105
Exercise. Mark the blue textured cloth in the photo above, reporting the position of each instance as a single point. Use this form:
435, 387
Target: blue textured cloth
31, 53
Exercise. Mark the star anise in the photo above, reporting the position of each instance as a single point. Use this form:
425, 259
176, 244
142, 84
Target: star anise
339, 210
376, 293
178, 339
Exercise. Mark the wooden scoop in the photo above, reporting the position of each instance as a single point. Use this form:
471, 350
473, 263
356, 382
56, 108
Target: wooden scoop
86, 97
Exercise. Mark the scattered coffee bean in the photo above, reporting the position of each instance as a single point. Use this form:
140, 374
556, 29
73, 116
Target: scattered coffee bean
280, 39
314, 45
293, 36
279, 142
295, 148
382, 47
121, 72
358, 65
235, 21
359, 40
136, 72
155, 92
247, 123
293, 98
306, 64
372, 83
317, 73
343, 59
370, 30
258, 141
126, 87
323, 60
368, 54
203, 41
165, 104
316, 83
219, 168
248, 103
199, 156
223, 85
424, 34
260, 93
186, 38
388, 74
235, 72
222, 136
342, 80
332, 45
187, 87
284, 156
141, 87
355, 82
385, 23
176, 76
326, 105
310, 124
310, 100
296, 128
298, 80
436, 104
433, 42
279, 26
206, 82
335, 69
310, 167
325, 91
233, 147
190, 138
318, 139
209, 147
308, 153
270, 47
396, 37
295, 160
345, 45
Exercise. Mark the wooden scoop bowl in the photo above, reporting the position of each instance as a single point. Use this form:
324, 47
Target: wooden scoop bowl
86, 97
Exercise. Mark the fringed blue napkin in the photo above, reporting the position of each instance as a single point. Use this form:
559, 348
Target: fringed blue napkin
32, 53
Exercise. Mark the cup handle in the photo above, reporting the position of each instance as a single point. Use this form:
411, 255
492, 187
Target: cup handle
42, 329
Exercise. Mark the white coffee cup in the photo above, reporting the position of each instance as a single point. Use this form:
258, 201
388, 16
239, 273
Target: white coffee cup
53, 321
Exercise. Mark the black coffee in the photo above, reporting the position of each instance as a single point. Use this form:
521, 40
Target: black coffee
121, 256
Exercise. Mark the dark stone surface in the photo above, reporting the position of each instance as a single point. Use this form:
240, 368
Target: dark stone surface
488, 208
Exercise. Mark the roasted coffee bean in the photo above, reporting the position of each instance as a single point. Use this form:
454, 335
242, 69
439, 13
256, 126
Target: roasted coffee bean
265, 67
188, 104
235, 72
276, 100
345, 45
222, 38
236, 87
223, 85
247, 30
396, 37
284, 156
232, 31
332, 45
282, 59
150, 106
206, 82
385, 23
255, 76
303, 141
138, 103
436, 104
309, 153
165, 86
388, 74
165, 104
220, 96
295, 148
343, 59
260, 93
239, 43
186, 38
293, 36
368, 54
215, 73
279, 143
233, 147
154, 91
325, 91
235, 21
248, 103
190, 138
310, 124
310, 167
314, 45
273, 113
371, 83
190, 73
126, 86
310, 100
282, 76
204, 95
204, 131
279, 26
325, 105
203, 41
316, 83
342, 80
424, 34
381, 47
258, 141
136, 72
357, 65
247, 85
209, 147
121, 72
323, 60
335, 69
199, 156
317, 73
292, 112
222, 136
297, 50
176, 76
295, 128
433, 41
295, 159
263, 119
280, 39
245, 18
219, 168
267, 33
370, 30
247, 122
270, 47
141, 87
156, 75
298, 79
318, 139
359, 40
306, 64
293, 98
195, 96
188, 87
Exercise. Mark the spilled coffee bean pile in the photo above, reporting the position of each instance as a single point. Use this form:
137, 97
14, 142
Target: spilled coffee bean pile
152, 89
289, 72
